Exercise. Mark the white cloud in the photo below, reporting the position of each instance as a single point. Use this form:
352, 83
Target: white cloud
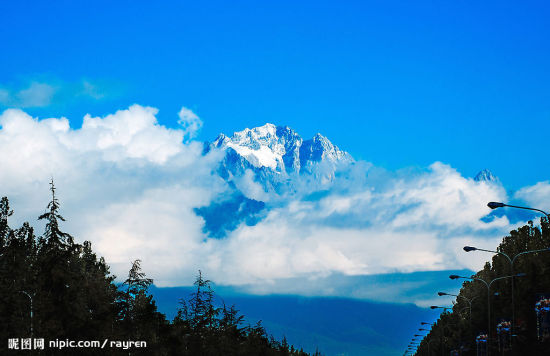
190, 122
92, 90
536, 196
250, 188
410, 223
35, 95
130, 133
110, 162
4, 96
130, 185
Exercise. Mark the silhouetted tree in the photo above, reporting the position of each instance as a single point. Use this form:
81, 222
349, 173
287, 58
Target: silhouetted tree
74, 297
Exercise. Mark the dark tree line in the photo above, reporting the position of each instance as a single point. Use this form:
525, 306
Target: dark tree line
456, 331
75, 297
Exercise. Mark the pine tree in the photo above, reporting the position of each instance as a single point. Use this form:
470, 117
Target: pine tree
138, 311
136, 285
203, 313
74, 297
14, 277
53, 236
5, 213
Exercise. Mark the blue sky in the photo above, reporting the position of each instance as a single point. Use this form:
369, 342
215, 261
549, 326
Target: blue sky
399, 84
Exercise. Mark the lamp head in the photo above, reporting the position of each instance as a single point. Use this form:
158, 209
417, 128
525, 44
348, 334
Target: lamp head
441, 294
494, 205
469, 248
454, 276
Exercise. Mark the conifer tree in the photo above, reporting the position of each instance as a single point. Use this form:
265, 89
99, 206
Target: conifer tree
74, 297
5, 213
53, 236
139, 315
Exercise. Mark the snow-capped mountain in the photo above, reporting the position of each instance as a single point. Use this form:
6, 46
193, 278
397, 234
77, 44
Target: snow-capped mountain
269, 164
280, 148
485, 175
274, 153
280, 161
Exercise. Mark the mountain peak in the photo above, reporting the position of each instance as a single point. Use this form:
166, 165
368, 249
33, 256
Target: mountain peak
277, 148
485, 175
266, 130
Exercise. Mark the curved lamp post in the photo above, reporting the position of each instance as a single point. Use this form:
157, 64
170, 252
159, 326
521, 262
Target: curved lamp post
494, 205
30, 298
428, 343
469, 300
488, 285
511, 260
412, 347
443, 326
470, 311
422, 329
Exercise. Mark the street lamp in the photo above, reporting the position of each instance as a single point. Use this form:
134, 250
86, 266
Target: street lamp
466, 307
488, 285
443, 326
428, 343
494, 205
30, 298
459, 296
511, 260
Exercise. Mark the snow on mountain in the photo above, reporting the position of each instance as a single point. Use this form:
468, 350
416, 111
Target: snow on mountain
485, 175
260, 146
261, 160
276, 149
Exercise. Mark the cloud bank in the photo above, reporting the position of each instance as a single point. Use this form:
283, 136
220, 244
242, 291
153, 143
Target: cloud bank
41, 93
537, 195
130, 186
